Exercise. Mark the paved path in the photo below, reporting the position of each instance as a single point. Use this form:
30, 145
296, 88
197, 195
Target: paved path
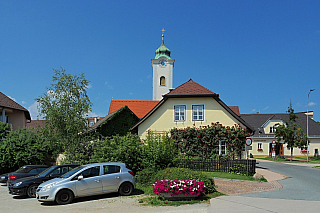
301, 185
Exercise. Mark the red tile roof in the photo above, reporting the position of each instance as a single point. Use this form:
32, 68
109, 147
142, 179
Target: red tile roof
190, 87
7, 102
139, 108
235, 109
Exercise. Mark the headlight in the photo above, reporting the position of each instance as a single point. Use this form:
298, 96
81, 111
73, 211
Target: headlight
47, 187
17, 184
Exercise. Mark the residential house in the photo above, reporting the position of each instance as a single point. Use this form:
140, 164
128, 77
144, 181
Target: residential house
264, 135
13, 113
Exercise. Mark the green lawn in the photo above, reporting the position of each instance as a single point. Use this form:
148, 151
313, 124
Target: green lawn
230, 176
294, 159
151, 199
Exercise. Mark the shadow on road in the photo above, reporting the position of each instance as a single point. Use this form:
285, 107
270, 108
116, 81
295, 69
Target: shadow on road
92, 198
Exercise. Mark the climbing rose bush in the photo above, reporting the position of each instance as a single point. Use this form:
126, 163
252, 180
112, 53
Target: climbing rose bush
177, 186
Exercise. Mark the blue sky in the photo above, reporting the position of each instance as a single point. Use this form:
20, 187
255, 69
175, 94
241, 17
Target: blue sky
257, 55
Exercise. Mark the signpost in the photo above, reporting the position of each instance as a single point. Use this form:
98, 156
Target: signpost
273, 149
248, 147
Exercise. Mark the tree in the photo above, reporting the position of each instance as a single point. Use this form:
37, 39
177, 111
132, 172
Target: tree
64, 107
292, 135
21, 147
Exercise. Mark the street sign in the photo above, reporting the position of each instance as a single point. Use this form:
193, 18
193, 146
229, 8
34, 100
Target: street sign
248, 141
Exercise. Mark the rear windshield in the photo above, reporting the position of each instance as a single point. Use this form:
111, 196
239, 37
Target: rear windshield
72, 172
23, 169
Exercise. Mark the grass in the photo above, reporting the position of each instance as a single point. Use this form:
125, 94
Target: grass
156, 200
226, 175
294, 159
151, 199
277, 159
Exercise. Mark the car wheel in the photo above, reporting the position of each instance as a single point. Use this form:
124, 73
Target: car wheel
64, 197
31, 191
125, 189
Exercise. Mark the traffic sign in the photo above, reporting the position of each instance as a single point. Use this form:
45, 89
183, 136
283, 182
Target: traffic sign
248, 141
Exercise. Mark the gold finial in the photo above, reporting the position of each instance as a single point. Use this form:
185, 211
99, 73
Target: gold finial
163, 31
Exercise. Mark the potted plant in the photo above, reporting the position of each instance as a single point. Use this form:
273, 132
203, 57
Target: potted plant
178, 189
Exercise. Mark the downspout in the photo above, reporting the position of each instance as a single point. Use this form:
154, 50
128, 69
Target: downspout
3, 115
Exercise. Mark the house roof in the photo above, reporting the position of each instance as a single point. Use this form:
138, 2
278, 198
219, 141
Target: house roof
257, 121
7, 102
190, 88
140, 108
193, 89
109, 116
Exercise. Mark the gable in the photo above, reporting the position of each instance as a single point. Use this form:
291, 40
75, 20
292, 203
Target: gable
116, 123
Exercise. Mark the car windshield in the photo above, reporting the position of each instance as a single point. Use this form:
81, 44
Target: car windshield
22, 169
46, 172
72, 172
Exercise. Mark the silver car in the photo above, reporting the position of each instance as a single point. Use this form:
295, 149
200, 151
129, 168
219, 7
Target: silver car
87, 180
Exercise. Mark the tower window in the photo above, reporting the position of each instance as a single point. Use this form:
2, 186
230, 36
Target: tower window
162, 81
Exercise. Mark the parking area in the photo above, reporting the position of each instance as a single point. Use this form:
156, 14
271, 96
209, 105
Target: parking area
105, 203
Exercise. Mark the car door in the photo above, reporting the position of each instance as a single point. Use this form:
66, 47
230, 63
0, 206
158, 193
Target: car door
91, 183
111, 178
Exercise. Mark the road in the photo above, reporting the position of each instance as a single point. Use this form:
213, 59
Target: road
303, 184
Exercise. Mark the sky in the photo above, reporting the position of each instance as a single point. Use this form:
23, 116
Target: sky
258, 55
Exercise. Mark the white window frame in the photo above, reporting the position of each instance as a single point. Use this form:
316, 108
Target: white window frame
192, 112
259, 146
221, 147
180, 106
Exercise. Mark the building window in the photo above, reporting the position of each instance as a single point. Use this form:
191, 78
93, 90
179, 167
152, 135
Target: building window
303, 148
222, 147
162, 81
272, 129
6, 120
259, 146
198, 112
179, 113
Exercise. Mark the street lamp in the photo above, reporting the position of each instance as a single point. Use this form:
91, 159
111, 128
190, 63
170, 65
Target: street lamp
308, 125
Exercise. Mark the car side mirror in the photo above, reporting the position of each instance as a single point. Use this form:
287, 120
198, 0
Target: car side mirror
80, 177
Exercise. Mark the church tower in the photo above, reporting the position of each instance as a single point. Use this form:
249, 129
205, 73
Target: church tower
162, 66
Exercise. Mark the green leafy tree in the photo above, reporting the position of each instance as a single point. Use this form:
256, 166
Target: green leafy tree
158, 151
290, 133
125, 149
21, 147
64, 107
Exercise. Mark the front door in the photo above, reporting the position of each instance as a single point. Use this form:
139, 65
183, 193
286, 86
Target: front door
91, 182
278, 149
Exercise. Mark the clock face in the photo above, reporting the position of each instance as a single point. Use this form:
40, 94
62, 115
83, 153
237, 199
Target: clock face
162, 63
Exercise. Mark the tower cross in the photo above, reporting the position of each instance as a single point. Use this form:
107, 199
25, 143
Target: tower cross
163, 31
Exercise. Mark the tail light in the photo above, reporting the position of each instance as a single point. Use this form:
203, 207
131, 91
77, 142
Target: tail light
12, 177
131, 173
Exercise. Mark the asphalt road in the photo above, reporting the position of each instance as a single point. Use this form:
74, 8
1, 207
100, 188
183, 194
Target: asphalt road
303, 184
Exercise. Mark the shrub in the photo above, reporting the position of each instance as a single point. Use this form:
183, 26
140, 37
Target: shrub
158, 151
180, 173
125, 149
145, 176
21, 147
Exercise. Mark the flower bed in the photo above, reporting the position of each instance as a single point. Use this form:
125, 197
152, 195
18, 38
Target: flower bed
178, 187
